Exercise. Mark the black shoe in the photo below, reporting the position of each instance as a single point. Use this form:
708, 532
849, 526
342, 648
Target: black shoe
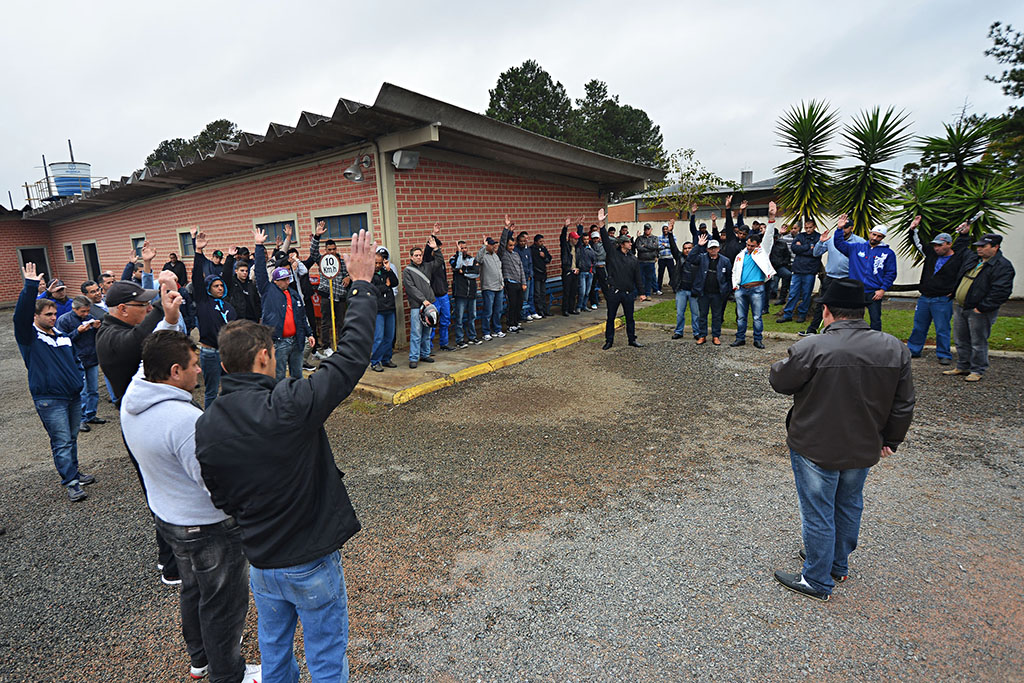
835, 577
783, 320
635, 344
84, 428
413, 364
574, 312
607, 345
915, 355
801, 318
86, 479
445, 347
758, 345
426, 359
566, 315
170, 579
796, 583
806, 333
677, 336
389, 364
944, 361
739, 342
96, 421
377, 367
75, 492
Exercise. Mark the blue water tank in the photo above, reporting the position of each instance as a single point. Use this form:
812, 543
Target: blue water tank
71, 177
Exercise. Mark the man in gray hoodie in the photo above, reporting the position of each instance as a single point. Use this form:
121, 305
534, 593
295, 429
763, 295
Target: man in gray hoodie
491, 288
158, 418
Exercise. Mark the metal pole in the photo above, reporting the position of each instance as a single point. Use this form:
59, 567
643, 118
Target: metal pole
71, 151
11, 199
46, 170
334, 323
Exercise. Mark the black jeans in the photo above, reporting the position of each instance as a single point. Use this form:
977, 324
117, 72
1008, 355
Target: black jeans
165, 555
214, 594
601, 277
816, 311
570, 290
514, 295
626, 299
716, 304
326, 337
668, 264
540, 293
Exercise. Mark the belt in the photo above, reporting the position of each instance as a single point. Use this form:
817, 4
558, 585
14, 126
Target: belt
751, 285
207, 346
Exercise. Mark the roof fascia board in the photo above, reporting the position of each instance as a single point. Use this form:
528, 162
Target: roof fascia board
409, 138
505, 169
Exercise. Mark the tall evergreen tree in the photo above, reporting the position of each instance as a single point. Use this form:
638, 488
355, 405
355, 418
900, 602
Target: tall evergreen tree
527, 96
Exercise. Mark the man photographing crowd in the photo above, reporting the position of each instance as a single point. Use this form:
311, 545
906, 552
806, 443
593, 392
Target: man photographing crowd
266, 460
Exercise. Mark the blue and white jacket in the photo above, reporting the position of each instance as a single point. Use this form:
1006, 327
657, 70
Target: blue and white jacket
53, 367
874, 266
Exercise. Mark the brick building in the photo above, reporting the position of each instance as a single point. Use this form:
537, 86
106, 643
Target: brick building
422, 161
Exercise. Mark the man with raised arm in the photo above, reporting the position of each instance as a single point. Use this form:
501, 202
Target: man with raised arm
214, 311
569, 256
283, 312
874, 264
624, 283
837, 266
266, 460
751, 269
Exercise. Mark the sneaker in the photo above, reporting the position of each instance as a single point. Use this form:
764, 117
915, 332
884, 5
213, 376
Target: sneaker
197, 673
308, 366
973, 377
514, 328
835, 577
658, 292
85, 479
463, 345
500, 334
413, 364
944, 361
377, 367
253, 673
170, 580
798, 584
445, 347
477, 341
389, 364
806, 333
319, 356
593, 307
538, 316
327, 353
955, 371
426, 359
487, 337
75, 492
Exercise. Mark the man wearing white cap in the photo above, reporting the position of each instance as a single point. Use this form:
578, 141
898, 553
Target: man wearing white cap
874, 264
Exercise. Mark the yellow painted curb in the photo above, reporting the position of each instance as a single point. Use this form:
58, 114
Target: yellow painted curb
512, 358
406, 395
567, 340
471, 372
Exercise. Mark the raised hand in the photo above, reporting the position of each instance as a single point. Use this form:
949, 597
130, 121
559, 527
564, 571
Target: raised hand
200, 240
772, 210
568, 221
321, 228
579, 221
703, 239
508, 221
671, 224
288, 230
167, 279
743, 205
693, 208
600, 217
171, 300
232, 251
436, 230
148, 252
29, 271
361, 260
714, 216
962, 228
728, 201
916, 222
258, 236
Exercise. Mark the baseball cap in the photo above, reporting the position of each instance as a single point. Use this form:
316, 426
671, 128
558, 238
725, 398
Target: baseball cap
882, 230
280, 274
943, 238
491, 240
622, 239
843, 293
55, 284
595, 234
125, 291
575, 235
218, 253
713, 243
994, 240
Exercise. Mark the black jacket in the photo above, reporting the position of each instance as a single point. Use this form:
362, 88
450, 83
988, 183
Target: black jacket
731, 244
623, 269
211, 316
944, 282
384, 279
119, 348
244, 296
178, 268
684, 267
439, 274
701, 261
568, 251
464, 287
780, 256
804, 260
541, 258
265, 456
993, 284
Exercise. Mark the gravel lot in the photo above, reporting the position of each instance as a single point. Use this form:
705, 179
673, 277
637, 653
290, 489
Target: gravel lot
585, 515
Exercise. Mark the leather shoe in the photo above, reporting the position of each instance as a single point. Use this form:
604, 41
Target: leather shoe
717, 341
739, 342
635, 344
701, 340
413, 364
96, 421
426, 359
389, 364
677, 336
797, 584
780, 319
84, 428
758, 345
607, 345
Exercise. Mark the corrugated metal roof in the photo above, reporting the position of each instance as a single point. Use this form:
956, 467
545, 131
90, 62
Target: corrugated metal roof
395, 110
669, 190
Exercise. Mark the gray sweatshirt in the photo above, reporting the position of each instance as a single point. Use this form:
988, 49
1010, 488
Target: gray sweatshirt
490, 270
417, 289
511, 266
159, 425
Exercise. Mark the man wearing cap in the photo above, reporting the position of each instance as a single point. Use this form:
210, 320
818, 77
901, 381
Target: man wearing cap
806, 264
751, 269
283, 312
567, 242
624, 284
540, 257
874, 264
214, 311
600, 280
492, 288
58, 294
647, 254
666, 262
586, 260
853, 401
984, 283
712, 283
939, 272
80, 327
420, 293
54, 380
526, 256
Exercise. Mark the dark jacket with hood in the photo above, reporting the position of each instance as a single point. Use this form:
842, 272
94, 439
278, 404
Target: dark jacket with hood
439, 273
624, 275
992, 285
384, 279
275, 302
465, 275
684, 267
244, 296
213, 313
265, 456
804, 260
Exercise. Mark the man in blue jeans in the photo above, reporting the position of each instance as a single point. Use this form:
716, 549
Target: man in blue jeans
266, 460
806, 263
416, 280
853, 401
54, 380
938, 280
492, 288
283, 311
214, 311
80, 326
751, 270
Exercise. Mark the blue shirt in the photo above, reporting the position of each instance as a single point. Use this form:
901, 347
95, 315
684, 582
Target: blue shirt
941, 261
838, 265
751, 271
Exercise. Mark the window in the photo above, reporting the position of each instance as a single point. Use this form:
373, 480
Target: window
137, 242
275, 230
69, 253
343, 226
186, 245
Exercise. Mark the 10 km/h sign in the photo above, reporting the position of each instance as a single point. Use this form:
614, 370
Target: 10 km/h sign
330, 266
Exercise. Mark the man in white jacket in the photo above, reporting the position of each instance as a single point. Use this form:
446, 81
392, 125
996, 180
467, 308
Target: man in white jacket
750, 273
158, 417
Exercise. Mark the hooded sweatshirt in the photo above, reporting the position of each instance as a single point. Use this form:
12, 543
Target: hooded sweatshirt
159, 425
213, 312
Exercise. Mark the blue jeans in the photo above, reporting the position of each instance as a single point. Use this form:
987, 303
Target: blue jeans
444, 318
419, 337
831, 503
209, 363
932, 308
782, 275
684, 297
583, 299
288, 351
650, 277
528, 300
751, 300
801, 286
465, 319
62, 417
383, 338
90, 392
315, 594
715, 303
491, 322
110, 390
972, 333
874, 310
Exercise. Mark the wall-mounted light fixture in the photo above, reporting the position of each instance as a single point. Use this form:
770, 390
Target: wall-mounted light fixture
354, 172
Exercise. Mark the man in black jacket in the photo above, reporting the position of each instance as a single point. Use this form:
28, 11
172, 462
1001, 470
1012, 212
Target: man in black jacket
942, 261
213, 311
242, 291
683, 279
176, 267
984, 283
540, 257
569, 256
465, 276
267, 461
624, 283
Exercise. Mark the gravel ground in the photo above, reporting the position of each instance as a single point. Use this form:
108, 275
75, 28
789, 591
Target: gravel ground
585, 515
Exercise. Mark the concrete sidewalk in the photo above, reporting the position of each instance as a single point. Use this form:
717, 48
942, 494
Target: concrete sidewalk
402, 384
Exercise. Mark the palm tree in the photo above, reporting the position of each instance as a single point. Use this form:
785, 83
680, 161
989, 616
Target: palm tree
805, 182
959, 154
866, 191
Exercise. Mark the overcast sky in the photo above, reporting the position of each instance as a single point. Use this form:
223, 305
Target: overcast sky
119, 77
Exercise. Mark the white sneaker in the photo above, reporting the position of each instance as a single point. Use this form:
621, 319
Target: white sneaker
487, 337
253, 673
500, 334
593, 307
198, 673
537, 316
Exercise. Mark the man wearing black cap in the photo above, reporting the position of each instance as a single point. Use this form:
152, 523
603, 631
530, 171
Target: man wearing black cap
984, 283
58, 294
853, 401
624, 283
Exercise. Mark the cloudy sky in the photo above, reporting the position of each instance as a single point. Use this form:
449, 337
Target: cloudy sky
119, 77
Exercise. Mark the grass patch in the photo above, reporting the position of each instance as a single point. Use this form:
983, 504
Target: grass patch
357, 405
1007, 333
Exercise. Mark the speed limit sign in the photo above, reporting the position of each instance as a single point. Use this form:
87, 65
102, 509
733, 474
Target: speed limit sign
330, 265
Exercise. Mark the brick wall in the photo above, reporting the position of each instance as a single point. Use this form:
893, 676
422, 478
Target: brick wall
622, 213
16, 233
